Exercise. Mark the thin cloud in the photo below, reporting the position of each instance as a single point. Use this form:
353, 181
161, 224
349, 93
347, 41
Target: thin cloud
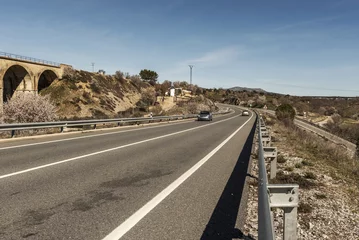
216, 58
210, 59
312, 87
306, 23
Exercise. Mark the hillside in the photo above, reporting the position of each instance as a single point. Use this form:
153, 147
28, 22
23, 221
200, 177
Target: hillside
339, 115
82, 94
260, 90
85, 95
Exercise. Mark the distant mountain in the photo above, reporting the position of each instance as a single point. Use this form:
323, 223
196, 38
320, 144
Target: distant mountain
247, 89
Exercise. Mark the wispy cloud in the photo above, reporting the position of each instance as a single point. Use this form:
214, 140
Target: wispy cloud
211, 59
277, 82
216, 57
306, 23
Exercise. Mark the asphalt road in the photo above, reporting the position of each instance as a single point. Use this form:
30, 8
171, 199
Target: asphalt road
166, 181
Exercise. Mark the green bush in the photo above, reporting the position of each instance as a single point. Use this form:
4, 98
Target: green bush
304, 208
289, 169
320, 196
310, 175
307, 163
281, 159
285, 112
298, 165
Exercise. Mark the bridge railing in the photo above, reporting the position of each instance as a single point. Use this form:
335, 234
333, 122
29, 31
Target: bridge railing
93, 122
29, 59
270, 196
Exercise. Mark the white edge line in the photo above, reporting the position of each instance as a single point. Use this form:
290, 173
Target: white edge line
130, 222
110, 149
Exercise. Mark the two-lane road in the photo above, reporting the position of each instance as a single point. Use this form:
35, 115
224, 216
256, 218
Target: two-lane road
167, 181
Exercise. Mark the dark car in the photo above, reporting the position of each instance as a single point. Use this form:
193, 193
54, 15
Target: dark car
204, 116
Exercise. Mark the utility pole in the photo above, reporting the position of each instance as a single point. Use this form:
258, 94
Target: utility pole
190, 74
93, 67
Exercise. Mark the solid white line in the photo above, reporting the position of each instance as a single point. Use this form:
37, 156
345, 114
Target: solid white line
143, 211
110, 149
90, 136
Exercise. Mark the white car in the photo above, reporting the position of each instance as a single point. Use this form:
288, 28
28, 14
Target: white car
245, 113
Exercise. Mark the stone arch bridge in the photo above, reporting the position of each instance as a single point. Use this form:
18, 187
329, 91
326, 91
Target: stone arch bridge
20, 75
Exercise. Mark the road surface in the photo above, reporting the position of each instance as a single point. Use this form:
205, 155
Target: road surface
166, 181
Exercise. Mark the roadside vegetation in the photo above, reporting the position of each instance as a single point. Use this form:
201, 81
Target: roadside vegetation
328, 179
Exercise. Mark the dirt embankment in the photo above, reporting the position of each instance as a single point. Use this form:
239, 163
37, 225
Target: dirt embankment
83, 94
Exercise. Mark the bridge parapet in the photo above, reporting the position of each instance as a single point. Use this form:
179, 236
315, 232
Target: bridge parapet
28, 59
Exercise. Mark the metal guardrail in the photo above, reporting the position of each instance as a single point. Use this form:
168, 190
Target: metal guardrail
284, 196
64, 124
265, 224
29, 59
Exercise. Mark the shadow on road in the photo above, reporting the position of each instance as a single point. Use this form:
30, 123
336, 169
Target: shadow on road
223, 220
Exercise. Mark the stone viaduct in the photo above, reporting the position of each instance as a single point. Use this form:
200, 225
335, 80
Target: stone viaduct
19, 75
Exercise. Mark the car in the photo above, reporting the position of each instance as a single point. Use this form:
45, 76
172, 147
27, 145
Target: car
204, 116
245, 113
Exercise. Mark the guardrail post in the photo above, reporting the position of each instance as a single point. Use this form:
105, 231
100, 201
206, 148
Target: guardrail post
271, 154
286, 197
63, 128
266, 139
94, 126
12, 133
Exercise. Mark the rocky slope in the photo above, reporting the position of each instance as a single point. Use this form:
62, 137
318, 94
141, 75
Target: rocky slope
87, 95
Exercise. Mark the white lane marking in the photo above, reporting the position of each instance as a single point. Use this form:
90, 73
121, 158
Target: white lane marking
143, 211
110, 149
90, 136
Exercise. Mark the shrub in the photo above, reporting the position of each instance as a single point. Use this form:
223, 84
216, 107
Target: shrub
26, 107
293, 178
285, 112
298, 165
192, 108
98, 114
95, 88
69, 73
310, 175
148, 96
320, 196
304, 208
307, 163
281, 159
289, 169
119, 76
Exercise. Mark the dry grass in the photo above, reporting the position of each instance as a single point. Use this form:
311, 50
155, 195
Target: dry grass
303, 182
321, 152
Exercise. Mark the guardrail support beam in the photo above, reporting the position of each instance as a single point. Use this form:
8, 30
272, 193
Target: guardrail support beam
271, 154
266, 139
286, 197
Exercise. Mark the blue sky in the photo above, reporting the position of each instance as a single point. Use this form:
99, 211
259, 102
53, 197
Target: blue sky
301, 47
